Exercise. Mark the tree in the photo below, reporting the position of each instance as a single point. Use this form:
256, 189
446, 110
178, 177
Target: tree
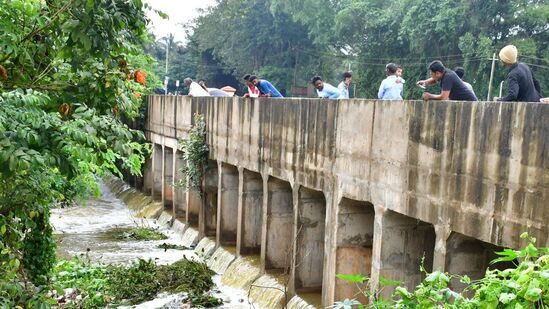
290, 41
70, 72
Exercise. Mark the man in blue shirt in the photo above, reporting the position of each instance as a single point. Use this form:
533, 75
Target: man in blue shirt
265, 87
391, 88
325, 90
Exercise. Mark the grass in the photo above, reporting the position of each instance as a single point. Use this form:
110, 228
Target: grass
138, 233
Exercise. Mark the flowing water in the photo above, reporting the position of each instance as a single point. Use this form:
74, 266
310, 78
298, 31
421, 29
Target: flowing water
89, 228
242, 272
269, 291
221, 259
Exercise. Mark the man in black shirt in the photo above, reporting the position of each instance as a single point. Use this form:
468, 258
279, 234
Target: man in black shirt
522, 85
452, 86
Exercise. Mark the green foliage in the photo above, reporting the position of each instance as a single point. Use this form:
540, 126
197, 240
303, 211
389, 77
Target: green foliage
39, 249
112, 285
66, 82
195, 154
139, 233
287, 42
526, 286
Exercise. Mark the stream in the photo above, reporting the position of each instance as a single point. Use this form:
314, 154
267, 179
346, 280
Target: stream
87, 229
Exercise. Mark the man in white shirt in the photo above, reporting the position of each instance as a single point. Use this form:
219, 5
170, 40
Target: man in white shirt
325, 90
344, 85
194, 88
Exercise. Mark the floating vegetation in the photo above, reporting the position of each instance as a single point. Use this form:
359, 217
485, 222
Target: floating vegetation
138, 233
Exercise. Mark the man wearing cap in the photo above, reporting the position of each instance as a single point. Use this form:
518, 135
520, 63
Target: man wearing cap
522, 86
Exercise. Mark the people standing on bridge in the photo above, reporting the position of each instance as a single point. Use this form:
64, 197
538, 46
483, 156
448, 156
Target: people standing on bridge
452, 86
325, 90
344, 85
195, 90
253, 92
391, 87
522, 85
399, 78
214, 92
460, 71
265, 87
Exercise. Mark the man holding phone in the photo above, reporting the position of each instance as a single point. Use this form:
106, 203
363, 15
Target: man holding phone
452, 86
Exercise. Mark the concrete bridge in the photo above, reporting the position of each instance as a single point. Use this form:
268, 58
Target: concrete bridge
323, 187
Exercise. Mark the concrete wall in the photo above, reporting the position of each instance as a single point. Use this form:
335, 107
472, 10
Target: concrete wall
309, 230
227, 206
430, 170
168, 172
278, 222
250, 213
355, 234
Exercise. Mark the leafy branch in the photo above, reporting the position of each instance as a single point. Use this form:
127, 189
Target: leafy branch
195, 154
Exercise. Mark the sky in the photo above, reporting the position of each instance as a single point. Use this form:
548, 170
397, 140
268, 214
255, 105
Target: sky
179, 11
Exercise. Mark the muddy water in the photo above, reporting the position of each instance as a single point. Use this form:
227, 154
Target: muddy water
88, 229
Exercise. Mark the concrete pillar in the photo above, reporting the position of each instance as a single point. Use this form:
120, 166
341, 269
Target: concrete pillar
179, 194
207, 219
400, 243
157, 167
148, 175
194, 203
471, 257
292, 286
278, 225
330, 261
309, 254
167, 176
442, 232
355, 235
227, 207
250, 213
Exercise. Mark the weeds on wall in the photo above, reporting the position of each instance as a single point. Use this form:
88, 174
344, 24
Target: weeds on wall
525, 286
195, 155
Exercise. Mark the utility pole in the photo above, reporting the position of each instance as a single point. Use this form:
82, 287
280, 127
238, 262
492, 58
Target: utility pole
491, 77
167, 54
